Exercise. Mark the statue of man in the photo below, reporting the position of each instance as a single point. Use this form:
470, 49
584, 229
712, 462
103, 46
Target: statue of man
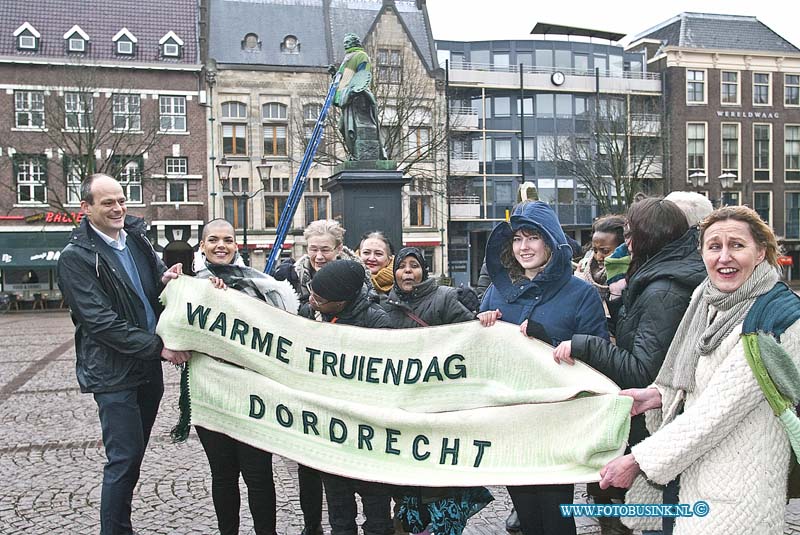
358, 122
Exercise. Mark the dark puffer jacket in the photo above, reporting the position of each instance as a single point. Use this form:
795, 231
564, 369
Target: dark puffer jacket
562, 304
653, 305
363, 311
433, 304
113, 347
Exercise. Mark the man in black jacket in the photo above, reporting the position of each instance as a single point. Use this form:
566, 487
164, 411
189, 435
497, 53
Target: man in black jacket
111, 278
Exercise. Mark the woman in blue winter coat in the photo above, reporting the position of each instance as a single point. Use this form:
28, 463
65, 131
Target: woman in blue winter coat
529, 262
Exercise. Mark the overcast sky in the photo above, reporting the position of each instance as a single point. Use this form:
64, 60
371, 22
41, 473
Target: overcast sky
475, 20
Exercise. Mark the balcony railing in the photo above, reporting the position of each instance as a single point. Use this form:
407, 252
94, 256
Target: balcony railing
527, 69
464, 162
465, 207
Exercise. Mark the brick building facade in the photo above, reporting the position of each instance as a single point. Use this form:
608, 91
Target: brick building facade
119, 94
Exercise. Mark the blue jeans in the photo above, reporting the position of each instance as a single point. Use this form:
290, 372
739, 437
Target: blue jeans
126, 418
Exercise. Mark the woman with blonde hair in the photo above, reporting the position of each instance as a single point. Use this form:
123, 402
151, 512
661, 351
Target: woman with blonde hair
711, 422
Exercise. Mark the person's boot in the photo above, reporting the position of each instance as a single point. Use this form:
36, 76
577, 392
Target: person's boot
512, 522
312, 530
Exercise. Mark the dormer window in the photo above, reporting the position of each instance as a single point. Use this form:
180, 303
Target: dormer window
251, 42
76, 39
27, 37
290, 45
124, 43
171, 45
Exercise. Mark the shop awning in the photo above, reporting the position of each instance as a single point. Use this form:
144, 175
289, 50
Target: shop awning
31, 249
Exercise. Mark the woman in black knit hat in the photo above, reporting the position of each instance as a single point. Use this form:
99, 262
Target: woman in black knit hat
339, 293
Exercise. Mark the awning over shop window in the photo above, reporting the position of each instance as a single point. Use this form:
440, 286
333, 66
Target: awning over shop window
31, 249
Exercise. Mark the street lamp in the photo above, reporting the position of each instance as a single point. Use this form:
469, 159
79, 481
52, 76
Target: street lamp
264, 173
698, 179
727, 179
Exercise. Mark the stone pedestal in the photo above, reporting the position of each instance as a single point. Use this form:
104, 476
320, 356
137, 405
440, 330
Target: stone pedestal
366, 196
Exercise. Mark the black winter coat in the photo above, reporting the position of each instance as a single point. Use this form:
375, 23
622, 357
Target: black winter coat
653, 305
433, 304
363, 311
113, 347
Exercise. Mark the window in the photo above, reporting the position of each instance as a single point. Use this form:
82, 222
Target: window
236, 184
290, 45
78, 109
502, 149
695, 87
527, 105
274, 111
762, 204
234, 210
792, 215
274, 116
273, 207
729, 91
274, 140
27, 37
76, 44
177, 166
761, 89
791, 151
544, 105
75, 168
500, 60
31, 177
420, 210
762, 152
564, 59
29, 109
695, 149
234, 139
177, 190
502, 106
563, 105
234, 110
544, 58
130, 178
125, 47
390, 66
126, 112
419, 142
311, 112
791, 90
316, 208
171, 45
731, 198
172, 112
73, 187
730, 148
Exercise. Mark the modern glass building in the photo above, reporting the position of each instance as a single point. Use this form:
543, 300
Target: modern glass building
527, 111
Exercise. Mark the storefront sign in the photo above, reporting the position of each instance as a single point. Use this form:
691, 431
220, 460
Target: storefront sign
55, 217
748, 114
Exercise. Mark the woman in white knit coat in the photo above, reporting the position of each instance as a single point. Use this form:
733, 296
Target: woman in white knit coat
711, 423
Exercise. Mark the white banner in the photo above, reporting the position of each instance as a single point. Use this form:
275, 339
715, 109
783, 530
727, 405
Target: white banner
456, 405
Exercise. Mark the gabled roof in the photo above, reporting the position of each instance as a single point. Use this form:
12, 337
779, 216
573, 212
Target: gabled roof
148, 20
125, 32
718, 32
170, 35
26, 26
75, 29
319, 25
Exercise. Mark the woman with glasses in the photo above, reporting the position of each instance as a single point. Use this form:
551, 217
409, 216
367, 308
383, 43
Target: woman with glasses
665, 269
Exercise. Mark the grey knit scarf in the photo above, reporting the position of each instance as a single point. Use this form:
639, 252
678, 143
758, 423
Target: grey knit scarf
710, 318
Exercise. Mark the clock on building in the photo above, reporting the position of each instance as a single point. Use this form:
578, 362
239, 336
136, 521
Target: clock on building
557, 78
